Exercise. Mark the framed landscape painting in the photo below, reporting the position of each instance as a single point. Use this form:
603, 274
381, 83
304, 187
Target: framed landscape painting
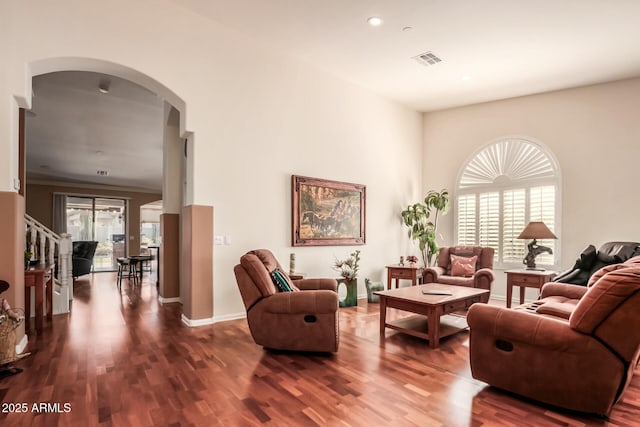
327, 213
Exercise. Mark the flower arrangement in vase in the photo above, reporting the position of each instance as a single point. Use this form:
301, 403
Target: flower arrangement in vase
348, 269
412, 260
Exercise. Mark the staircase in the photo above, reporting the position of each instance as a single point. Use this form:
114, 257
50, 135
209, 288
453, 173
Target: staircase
47, 246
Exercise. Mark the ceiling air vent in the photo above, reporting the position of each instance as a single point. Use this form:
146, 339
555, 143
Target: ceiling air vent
102, 172
427, 59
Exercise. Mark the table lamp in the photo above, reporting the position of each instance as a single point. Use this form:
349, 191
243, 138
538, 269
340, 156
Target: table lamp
535, 230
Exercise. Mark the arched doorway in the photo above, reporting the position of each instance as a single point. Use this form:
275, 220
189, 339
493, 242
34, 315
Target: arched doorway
176, 111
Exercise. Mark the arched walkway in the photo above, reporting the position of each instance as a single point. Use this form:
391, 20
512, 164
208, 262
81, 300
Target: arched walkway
15, 222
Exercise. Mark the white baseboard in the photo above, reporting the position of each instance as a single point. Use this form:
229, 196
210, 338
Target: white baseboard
200, 322
210, 321
227, 317
22, 345
168, 300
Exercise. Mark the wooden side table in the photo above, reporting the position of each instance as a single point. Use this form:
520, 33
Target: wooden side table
41, 277
405, 272
526, 279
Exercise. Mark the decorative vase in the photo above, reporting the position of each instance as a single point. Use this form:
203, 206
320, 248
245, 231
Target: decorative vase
351, 298
371, 288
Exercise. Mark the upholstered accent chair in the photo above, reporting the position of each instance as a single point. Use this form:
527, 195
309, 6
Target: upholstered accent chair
82, 257
479, 276
583, 362
305, 319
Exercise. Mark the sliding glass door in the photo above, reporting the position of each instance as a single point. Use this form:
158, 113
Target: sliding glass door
102, 220
80, 218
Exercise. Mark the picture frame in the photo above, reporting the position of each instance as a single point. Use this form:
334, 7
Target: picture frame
327, 213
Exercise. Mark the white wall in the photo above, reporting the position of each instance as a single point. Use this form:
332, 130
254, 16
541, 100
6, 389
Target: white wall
256, 117
304, 122
172, 159
593, 131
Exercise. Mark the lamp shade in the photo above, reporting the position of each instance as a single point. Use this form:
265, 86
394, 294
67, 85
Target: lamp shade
536, 230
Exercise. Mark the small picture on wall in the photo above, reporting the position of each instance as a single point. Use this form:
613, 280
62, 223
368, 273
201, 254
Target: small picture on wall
327, 213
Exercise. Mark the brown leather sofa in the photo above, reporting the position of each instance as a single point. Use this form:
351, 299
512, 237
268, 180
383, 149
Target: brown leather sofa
583, 362
303, 320
482, 277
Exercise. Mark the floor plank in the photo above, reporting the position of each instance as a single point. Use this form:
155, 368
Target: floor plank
122, 359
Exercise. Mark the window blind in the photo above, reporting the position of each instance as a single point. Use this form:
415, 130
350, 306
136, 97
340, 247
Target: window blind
513, 214
502, 188
489, 220
542, 208
467, 220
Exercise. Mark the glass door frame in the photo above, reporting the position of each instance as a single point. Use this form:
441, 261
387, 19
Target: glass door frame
125, 217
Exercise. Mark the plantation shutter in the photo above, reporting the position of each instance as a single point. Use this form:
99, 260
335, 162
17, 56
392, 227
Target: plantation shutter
489, 220
513, 214
500, 189
467, 219
542, 202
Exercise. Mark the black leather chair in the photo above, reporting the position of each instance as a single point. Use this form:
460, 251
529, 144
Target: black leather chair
82, 257
591, 261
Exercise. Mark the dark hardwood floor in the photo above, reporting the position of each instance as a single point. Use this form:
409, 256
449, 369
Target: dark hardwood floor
122, 359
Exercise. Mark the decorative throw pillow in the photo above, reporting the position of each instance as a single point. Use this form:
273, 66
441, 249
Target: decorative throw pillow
282, 281
463, 266
462, 251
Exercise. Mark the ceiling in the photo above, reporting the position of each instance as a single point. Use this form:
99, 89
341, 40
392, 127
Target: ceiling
490, 50
73, 131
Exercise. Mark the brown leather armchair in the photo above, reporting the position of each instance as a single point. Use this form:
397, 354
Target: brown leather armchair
583, 363
482, 277
303, 321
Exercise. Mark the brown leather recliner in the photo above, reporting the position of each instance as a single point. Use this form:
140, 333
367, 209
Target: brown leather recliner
583, 363
303, 320
482, 277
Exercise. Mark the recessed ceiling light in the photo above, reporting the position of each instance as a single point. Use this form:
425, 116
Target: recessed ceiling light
104, 85
465, 77
374, 21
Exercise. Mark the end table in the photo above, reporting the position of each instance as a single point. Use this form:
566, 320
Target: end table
526, 279
405, 272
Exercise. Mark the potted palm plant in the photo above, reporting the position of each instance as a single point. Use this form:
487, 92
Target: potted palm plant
422, 220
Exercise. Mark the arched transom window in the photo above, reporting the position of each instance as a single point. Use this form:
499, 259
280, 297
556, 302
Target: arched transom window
503, 187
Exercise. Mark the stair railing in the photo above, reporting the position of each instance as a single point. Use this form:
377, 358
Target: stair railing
52, 247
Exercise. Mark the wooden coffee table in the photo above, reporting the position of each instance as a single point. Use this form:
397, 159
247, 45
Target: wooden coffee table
433, 320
